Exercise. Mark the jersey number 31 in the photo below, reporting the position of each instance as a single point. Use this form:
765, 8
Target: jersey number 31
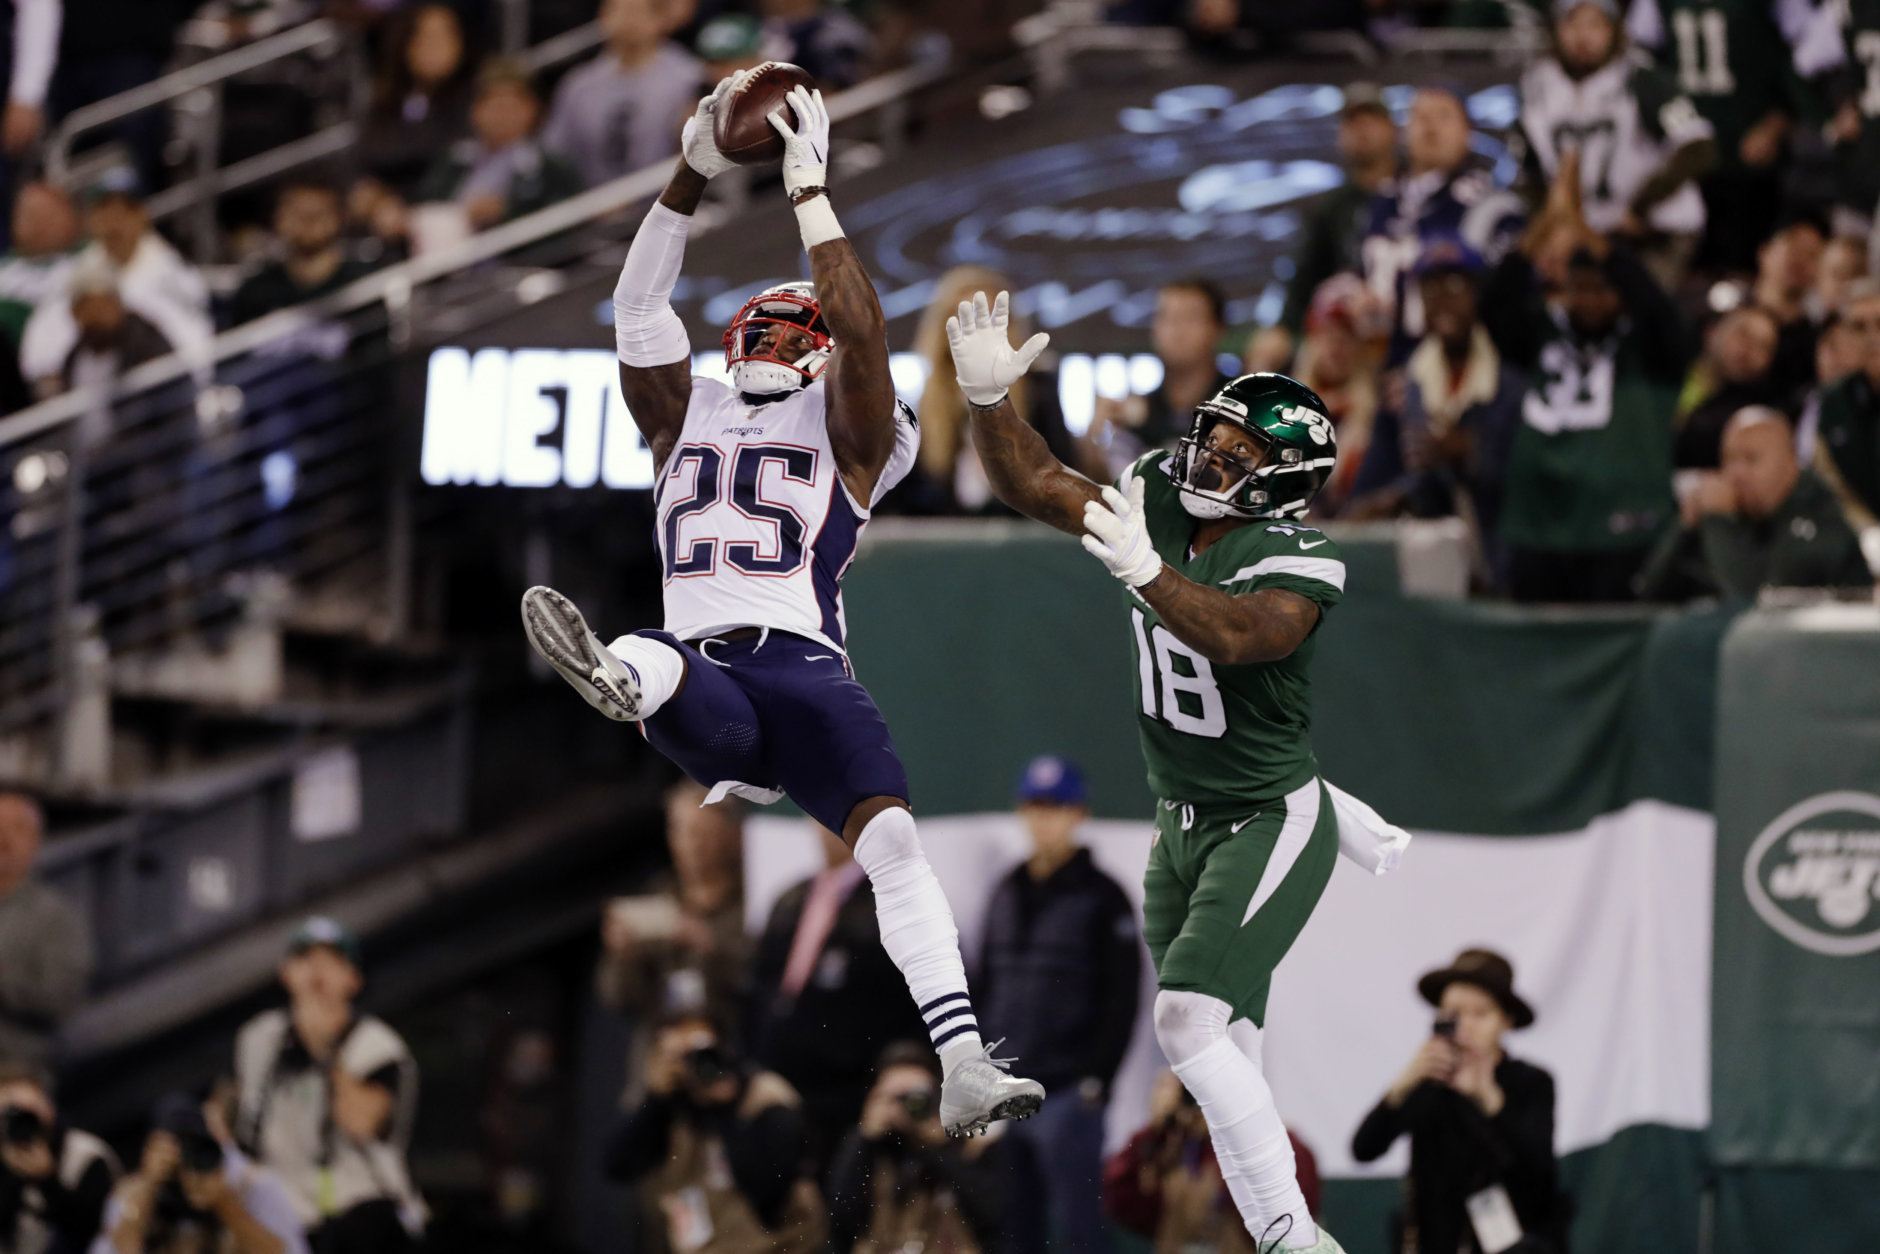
1178, 685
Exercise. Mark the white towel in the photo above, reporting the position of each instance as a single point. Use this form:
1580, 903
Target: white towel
1364, 836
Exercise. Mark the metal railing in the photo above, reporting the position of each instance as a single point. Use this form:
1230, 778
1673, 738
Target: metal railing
133, 509
197, 93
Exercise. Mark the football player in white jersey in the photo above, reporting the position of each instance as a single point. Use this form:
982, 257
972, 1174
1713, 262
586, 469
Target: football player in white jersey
762, 487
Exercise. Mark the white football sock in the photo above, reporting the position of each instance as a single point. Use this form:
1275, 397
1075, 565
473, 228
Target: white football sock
659, 666
918, 932
1250, 1142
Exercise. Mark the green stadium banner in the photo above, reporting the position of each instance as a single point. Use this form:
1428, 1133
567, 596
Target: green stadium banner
1796, 999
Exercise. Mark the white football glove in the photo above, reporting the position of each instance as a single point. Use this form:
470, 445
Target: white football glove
697, 142
1117, 535
984, 361
806, 145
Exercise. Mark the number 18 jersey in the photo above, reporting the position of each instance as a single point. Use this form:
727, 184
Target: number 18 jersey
755, 526
1214, 733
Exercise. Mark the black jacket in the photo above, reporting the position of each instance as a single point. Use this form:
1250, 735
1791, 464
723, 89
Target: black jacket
69, 1206
826, 1039
1456, 1150
1061, 973
993, 1184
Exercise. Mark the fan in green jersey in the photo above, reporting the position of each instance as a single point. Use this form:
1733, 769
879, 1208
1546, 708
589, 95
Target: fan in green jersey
1226, 592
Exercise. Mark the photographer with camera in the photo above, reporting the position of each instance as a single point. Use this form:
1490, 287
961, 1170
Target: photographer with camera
1482, 1171
1165, 1184
718, 1148
53, 1179
195, 1193
898, 1183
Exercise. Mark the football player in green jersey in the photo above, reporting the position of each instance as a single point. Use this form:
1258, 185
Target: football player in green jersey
1226, 591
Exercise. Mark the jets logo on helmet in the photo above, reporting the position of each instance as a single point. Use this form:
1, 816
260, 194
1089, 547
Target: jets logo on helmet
771, 324
1297, 450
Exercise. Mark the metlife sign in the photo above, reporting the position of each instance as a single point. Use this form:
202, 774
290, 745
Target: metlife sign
554, 417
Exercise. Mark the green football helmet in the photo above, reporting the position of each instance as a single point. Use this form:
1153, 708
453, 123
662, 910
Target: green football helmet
1287, 421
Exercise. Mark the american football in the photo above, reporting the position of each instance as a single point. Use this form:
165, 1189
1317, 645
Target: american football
742, 127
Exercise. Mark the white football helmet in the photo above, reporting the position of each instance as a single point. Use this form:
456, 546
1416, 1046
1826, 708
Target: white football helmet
758, 369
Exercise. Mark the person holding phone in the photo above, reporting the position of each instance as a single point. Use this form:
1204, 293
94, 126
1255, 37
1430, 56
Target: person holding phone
1483, 1177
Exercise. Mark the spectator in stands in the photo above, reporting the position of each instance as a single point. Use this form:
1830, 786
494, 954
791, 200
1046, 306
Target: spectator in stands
502, 171
1739, 64
194, 1192
327, 1097
152, 280
1332, 234
1642, 145
111, 338
1847, 440
1060, 970
1190, 318
1843, 259
1347, 334
728, 43
898, 1183
107, 47
1788, 270
29, 50
420, 104
823, 995
1837, 355
1763, 522
311, 258
1445, 192
1736, 370
719, 1149
1166, 1186
1589, 472
46, 942
948, 477
53, 1179
1479, 1122
622, 111
682, 948
1444, 451
823, 39
45, 231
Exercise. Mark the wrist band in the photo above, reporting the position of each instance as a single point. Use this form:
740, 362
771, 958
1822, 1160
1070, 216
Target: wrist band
989, 405
802, 194
816, 218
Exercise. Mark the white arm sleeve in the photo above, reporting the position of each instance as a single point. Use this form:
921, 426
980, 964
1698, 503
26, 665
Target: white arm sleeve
646, 330
35, 49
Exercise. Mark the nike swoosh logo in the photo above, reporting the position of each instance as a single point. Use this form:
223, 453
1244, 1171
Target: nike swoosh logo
821, 657
1235, 827
1315, 544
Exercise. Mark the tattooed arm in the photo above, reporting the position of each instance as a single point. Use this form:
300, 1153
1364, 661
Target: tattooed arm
1260, 626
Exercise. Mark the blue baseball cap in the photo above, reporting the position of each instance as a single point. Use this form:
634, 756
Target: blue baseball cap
1051, 780
1445, 254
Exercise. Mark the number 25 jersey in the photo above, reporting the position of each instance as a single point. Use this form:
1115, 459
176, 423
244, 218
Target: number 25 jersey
1214, 733
755, 526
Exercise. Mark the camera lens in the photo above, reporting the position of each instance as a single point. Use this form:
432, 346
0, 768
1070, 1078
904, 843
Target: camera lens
918, 1103
708, 1064
23, 1127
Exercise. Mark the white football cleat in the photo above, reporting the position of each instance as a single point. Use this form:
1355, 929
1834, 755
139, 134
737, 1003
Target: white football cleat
981, 1090
559, 633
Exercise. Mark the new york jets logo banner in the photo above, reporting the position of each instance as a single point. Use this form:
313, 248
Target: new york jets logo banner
1814, 874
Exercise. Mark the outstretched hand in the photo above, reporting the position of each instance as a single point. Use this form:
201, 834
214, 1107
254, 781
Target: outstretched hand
984, 361
805, 145
697, 141
1117, 534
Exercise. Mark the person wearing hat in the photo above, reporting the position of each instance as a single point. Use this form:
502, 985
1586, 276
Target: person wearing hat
1061, 967
1333, 226
195, 1192
326, 1097
1481, 1124
1642, 145
1445, 450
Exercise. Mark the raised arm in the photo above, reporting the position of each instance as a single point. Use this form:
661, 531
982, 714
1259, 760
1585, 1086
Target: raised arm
655, 356
861, 389
1018, 463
